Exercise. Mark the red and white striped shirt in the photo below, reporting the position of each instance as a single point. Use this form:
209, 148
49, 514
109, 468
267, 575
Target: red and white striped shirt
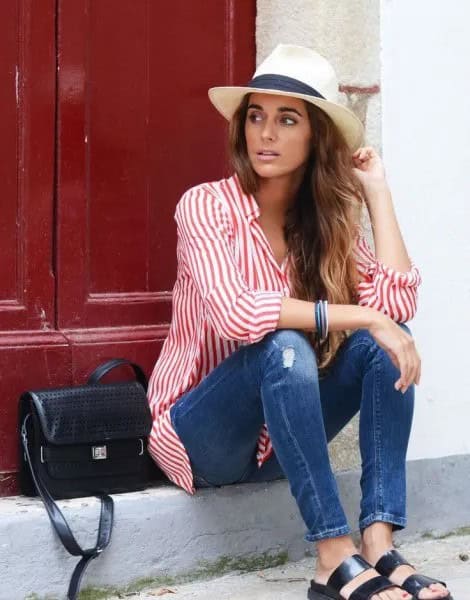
228, 292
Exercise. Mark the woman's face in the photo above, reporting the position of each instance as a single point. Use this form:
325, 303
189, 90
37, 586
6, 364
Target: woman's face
278, 135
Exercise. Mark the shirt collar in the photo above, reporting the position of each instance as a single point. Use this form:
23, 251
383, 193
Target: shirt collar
248, 203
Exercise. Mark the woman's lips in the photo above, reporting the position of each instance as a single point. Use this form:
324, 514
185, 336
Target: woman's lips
267, 155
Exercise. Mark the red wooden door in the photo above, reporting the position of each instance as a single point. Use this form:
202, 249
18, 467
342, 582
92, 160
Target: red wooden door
32, 351
107, 122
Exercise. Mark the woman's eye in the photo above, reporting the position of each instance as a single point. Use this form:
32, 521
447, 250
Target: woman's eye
288, 121
254, 117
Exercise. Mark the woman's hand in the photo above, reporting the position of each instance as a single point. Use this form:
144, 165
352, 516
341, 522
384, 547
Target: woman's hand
400, 346
368, 167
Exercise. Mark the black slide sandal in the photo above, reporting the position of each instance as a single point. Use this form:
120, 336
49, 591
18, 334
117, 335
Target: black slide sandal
346, 572
412, 584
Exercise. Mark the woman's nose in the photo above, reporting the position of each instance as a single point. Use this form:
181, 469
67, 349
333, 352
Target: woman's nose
268, 132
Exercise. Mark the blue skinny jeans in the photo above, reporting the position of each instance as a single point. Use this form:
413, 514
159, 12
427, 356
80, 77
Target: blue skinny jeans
276, 381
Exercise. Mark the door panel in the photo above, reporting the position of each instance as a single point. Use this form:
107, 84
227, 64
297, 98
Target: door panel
9, 149
32, 352
136, 130
27, 100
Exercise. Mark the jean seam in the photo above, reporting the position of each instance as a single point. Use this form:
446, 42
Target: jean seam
300, 454
382, 517
377, 427
302, 458
328, 533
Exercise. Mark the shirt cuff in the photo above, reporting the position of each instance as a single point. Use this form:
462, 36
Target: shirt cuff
266, 319
399, 279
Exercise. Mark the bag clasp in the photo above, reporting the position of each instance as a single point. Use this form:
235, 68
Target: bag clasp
99, 452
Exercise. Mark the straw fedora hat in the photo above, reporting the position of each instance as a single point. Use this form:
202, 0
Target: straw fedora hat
301, 73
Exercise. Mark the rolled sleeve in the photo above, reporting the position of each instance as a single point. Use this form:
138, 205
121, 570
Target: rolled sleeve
205, 232
388, 290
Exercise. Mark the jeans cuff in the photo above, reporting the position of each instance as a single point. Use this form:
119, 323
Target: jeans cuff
329, 533
397, 522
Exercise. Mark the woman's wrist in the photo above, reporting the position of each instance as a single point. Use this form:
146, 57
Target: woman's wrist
367, 317
350, 316
372, 316
376, 187
378, 199
300, 314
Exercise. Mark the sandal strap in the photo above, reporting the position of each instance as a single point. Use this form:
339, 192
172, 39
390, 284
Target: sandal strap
415, 583
371, 587
318, 590
389, 562
347, 570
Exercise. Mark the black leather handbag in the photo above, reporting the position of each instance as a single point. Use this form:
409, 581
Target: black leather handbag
86, 440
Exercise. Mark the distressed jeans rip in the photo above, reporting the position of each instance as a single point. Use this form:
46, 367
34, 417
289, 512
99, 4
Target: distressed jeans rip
288, 357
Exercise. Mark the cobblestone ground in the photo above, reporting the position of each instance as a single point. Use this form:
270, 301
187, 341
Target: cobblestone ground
447, 559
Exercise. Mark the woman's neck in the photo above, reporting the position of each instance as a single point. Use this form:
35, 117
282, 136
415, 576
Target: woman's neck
275, 196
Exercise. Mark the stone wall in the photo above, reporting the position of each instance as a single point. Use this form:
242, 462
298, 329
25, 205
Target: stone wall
348, 35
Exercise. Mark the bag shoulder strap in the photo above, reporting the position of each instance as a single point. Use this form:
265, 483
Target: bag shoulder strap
108, 366
62, 528
103, 539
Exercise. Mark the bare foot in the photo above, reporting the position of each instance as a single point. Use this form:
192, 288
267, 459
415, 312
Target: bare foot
376, 540
332, 552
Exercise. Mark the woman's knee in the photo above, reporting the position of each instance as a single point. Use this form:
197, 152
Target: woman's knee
292, 349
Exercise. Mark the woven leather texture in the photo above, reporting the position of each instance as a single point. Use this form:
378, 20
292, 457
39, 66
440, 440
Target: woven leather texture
84, 414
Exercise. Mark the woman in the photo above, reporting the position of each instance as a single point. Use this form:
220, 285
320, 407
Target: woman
285, 324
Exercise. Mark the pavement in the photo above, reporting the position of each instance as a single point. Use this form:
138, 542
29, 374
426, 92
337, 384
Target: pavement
446, 558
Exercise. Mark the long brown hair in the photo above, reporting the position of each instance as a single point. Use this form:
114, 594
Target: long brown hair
321, 225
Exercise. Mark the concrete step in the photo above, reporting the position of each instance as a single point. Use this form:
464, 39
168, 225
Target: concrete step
446, 559
162, 532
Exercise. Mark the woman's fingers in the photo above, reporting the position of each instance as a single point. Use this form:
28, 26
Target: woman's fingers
410, 364
401, 357
394, 360
400, 346
362, 150
404, 370
364, 153
404, 366
418, 376
416, 369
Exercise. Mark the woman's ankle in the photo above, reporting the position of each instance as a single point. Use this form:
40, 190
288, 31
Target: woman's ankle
332, 551
375, 540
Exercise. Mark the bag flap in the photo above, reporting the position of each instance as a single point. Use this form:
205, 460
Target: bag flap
89, 413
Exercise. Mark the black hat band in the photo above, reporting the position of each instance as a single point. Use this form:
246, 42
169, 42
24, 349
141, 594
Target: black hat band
283, 84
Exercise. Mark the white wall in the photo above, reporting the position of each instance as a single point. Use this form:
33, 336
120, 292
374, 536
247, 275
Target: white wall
426, 149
